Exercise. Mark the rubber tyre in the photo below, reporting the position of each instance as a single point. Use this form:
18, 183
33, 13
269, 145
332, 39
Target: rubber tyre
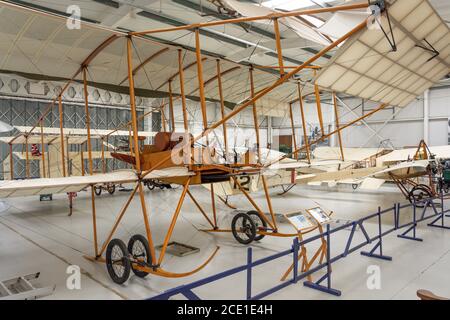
417, 194
259, 223
249, 228
111, 189
98, 191
115, 276
137, 238
150, 185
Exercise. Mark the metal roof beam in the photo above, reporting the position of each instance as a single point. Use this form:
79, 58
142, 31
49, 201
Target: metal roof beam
208, 11
164, 19
213, 35
246, 26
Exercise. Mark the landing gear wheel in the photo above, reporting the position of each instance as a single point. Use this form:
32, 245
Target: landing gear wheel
355, 186
111, 189
442, 187
243, 228
140, 251
418, 194
117, 261
260, 224
98, 190
161, 186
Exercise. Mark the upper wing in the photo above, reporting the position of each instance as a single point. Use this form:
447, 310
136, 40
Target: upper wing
402, 169
377, 179
367, 67
440, 152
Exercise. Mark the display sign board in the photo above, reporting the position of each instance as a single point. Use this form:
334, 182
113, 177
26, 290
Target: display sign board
319, 215
301, 221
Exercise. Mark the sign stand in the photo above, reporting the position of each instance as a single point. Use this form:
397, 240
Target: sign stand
318, 217
322, 218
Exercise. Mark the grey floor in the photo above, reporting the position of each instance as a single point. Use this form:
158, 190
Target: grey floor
39, 236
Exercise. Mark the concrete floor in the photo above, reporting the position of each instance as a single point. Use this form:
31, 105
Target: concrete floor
39, 236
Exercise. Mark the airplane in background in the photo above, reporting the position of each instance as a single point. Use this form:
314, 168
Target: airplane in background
416, 171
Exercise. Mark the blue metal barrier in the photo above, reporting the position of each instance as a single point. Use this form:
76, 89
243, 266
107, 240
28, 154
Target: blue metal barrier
186, 290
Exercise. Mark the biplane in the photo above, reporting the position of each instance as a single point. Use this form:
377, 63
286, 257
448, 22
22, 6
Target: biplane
417, 172
401, 69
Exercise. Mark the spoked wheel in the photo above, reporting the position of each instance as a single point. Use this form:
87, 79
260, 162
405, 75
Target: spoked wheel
117, 261
260, 224
150, 185
111, 189
243, 228
419, 194
140, 252
98, 190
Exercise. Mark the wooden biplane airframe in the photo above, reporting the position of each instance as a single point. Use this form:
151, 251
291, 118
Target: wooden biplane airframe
156, 161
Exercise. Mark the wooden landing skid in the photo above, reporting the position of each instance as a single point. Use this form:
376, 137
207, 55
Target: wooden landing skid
286, 189
158, 271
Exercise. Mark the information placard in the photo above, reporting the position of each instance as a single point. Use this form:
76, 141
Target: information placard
301, 221
319, 215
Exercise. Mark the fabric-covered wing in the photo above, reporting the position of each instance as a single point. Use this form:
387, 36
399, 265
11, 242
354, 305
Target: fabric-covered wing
367, 67
17, 188
303, 164
358, 176
403, 168
440, 153
29, 187
372, 184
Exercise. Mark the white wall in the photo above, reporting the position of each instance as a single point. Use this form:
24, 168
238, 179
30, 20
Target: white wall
405, 129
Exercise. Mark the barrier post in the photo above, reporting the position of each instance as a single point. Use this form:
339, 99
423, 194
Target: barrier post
396, 216
441, 216
249, 273
295, 257
379, 245
317, 285
413, 228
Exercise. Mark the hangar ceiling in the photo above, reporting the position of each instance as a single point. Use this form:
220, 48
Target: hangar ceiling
139, 15
250, 40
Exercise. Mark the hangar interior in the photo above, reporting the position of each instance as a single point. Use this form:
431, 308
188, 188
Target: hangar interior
320, 126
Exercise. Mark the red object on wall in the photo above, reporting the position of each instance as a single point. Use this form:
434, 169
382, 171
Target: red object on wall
35, 150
